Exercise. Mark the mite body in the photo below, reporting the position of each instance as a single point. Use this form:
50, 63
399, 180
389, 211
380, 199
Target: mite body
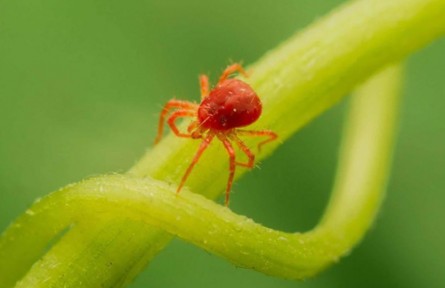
231, 104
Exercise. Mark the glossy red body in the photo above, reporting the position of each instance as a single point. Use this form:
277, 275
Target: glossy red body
231, 104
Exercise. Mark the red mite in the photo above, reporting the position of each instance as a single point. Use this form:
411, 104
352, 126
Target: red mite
231, 104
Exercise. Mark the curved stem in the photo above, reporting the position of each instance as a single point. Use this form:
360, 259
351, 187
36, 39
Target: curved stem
308, 74
365, 156
108, 203
297, 81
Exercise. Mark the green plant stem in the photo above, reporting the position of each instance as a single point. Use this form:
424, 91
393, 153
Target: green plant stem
297, 81
119, 199
364, 156
308, 74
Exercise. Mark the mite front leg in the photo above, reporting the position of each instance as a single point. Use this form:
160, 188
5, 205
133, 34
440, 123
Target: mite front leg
236, 67
232, 166
204, 84
180, 114
204, 144
172, 104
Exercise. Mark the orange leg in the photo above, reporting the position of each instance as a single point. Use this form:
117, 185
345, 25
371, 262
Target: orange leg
184, 105
232, 69
271, 136
204, 83
195, 130
232, 165
250, 163
179, 114
204, 144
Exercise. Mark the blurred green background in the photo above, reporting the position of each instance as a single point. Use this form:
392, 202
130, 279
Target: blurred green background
82, 82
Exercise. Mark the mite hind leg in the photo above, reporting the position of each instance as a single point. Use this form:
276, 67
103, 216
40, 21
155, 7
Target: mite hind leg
271, 136
250, 156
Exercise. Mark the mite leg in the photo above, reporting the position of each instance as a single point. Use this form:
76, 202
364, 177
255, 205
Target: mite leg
204, 144
179, 114
250, 163
204, 84
267, 133
232, 166
232, 69
195, 130
171, 105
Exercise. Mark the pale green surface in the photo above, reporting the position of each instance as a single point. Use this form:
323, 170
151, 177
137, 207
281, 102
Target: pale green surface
112, 137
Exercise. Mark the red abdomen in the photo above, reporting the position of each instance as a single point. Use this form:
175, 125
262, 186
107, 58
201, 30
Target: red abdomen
230, 104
